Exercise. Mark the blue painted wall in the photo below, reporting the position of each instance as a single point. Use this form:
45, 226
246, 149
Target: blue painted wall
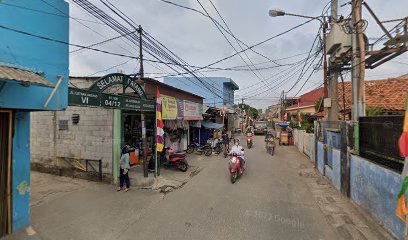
38, 55
333, 142
21, 171
375, 189
334, 173
224, 87
320, 157
35, 54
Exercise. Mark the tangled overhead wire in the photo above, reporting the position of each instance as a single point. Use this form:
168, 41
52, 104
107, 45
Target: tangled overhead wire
348, 27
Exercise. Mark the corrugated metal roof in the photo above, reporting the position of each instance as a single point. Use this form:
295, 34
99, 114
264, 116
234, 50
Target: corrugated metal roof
23, 76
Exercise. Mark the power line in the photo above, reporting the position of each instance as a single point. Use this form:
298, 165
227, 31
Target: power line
150, 49
218, 24
219, 29
49, 13
67, 15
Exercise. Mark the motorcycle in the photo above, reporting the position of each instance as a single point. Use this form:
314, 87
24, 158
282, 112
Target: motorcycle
234, 168
168, 158
200, 149
218, 148
271, 147
249, 142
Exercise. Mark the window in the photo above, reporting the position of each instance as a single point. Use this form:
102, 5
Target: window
63, 124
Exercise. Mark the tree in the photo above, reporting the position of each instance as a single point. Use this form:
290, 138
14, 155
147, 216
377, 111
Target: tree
374, 111
250, 111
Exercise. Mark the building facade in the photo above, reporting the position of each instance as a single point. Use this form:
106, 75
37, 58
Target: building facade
33, 77
216, 91
97, 132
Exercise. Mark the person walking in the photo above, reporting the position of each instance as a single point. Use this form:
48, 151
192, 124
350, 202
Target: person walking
124, 169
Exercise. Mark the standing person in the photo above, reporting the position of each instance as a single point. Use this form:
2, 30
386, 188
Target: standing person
124, 169
225, 140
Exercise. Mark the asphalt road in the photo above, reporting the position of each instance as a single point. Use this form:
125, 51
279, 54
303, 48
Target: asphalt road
278, 197
270, 201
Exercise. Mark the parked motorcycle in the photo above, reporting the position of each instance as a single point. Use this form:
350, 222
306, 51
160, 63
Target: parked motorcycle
218, 148
168, 158
200, 149
234, 168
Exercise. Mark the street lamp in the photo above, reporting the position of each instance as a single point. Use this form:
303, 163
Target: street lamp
280, 12
276, 12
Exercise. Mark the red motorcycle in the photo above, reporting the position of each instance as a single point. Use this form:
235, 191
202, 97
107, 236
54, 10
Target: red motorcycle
249, 142
234, 167
176, 159
168, 158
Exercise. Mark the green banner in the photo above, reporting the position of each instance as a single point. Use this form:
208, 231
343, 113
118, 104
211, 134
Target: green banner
80, 97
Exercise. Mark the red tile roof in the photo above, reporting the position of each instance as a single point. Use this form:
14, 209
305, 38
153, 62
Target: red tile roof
388, 94
309, 98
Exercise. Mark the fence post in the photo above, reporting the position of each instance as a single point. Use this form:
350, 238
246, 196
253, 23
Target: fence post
100, 170
344, 160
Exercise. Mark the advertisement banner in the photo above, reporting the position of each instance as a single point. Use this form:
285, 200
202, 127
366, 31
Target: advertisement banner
193, 111
169, 107
180, 109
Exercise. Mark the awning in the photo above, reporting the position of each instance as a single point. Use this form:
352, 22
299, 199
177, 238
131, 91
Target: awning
211, 125
23, 76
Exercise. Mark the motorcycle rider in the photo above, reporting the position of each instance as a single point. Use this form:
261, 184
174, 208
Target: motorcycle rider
238, 150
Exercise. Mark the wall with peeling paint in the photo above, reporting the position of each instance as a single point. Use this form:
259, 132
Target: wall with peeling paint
21, 171
320, 157
375, 189
333, 173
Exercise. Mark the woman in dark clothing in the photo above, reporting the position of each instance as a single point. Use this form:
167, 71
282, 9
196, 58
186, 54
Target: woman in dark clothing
124, 169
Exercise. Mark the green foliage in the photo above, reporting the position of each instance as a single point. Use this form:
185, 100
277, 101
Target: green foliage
307, 123
319, 105
250, 111
374, 111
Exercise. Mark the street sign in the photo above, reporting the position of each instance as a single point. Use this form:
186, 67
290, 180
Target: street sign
109, 80
86, 98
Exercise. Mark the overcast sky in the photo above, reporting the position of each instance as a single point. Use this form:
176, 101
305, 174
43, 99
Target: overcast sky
195, 38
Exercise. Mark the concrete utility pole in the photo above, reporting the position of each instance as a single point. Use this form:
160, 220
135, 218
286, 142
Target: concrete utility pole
333, 110
358, 63
143, 115
361, 64
357, 69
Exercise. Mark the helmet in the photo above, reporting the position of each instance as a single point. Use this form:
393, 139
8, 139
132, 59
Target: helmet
236, 141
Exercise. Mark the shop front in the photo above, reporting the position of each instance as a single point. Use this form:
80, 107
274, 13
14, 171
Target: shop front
180, 110
132, 117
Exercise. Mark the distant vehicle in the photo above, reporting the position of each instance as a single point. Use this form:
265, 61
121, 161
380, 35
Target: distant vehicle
261, 127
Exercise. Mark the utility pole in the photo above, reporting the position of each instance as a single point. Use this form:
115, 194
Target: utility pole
143, 115
361, 64
333, 111
357, 70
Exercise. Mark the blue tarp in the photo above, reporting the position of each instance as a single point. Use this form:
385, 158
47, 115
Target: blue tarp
283, 124
211, 125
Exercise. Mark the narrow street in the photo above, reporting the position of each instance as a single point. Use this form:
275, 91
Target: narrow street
279, 197
269, 202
